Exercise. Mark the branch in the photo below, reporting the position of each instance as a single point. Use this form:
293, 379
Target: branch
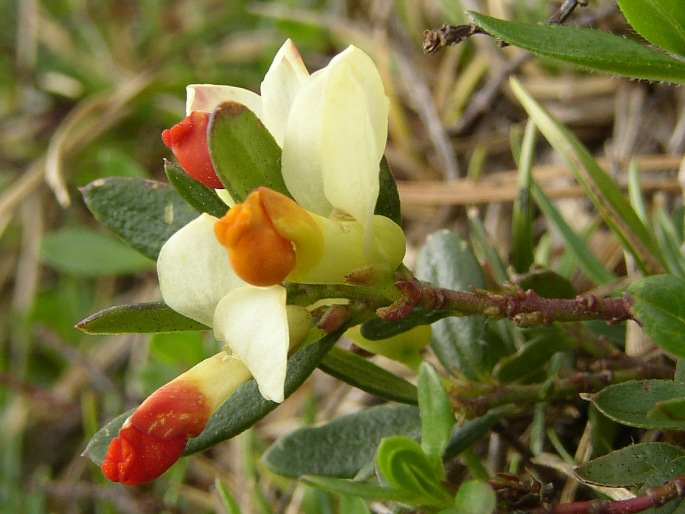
652, 497
525, 308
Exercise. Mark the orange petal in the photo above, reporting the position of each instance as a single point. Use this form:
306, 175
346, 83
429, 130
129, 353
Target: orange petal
258, 253
135, 457
176, 409
188, 141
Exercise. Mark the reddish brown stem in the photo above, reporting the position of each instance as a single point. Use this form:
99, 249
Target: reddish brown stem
525, 308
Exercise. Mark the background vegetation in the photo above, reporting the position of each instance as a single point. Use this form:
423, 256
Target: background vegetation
86, 89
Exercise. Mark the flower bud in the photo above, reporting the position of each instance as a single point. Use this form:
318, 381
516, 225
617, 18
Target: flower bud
155, 435
188, 140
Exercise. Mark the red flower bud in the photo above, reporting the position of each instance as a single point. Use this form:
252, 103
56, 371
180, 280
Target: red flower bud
155, 435
188, 141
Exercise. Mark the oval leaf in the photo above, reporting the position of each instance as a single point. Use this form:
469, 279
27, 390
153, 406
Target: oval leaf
587, 48
530, 357
87, 252
140, 318
368, 377
659, 304
463, 345
437, 418
643, 396
144, 213
340, 448
661, 22
201, 197
244, 153
629, 466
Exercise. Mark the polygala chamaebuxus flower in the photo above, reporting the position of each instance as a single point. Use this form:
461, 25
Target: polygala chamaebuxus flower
227, 272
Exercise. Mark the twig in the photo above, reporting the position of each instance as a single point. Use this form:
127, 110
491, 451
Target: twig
475, 399
525, 308
652, 497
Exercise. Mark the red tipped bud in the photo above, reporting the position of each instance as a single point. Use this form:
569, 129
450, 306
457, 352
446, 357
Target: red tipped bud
188, 141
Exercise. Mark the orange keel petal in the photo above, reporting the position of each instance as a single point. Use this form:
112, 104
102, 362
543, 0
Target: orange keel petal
258, 253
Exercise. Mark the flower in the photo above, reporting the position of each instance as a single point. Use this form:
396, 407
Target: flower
155, 435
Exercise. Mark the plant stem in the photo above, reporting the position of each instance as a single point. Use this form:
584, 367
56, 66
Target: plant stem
525, 308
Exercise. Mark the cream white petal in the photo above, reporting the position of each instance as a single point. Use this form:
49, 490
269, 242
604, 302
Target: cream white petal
301, 159
207, 97
194, 271
254, 324
280, 86
349, 143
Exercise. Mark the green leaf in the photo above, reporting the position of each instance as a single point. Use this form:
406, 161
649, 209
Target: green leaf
659, 304
144, 213
87, 252
377, 329
669, 409
669, 241
96, 450
530, 357
547, 284
630, 402
437, 418
629, 466
201, 197
586, 48
139, 318
466, 434
388, 202
599, 186
367, 376
522, 215
341, 447
463, 345
361, 489
475, 497
246, 406
244, 153
661, 22
574, 245
403, 464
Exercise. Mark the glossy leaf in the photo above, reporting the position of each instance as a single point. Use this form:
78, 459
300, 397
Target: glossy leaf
403, 464
599, 186
244, 153
463, 345
247, 406
661, 22
139, 318
659, 304
437, 418
629, 466
143, 213
643, 396
87, 252
586, 48
368, 377
201, 197
341, 447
